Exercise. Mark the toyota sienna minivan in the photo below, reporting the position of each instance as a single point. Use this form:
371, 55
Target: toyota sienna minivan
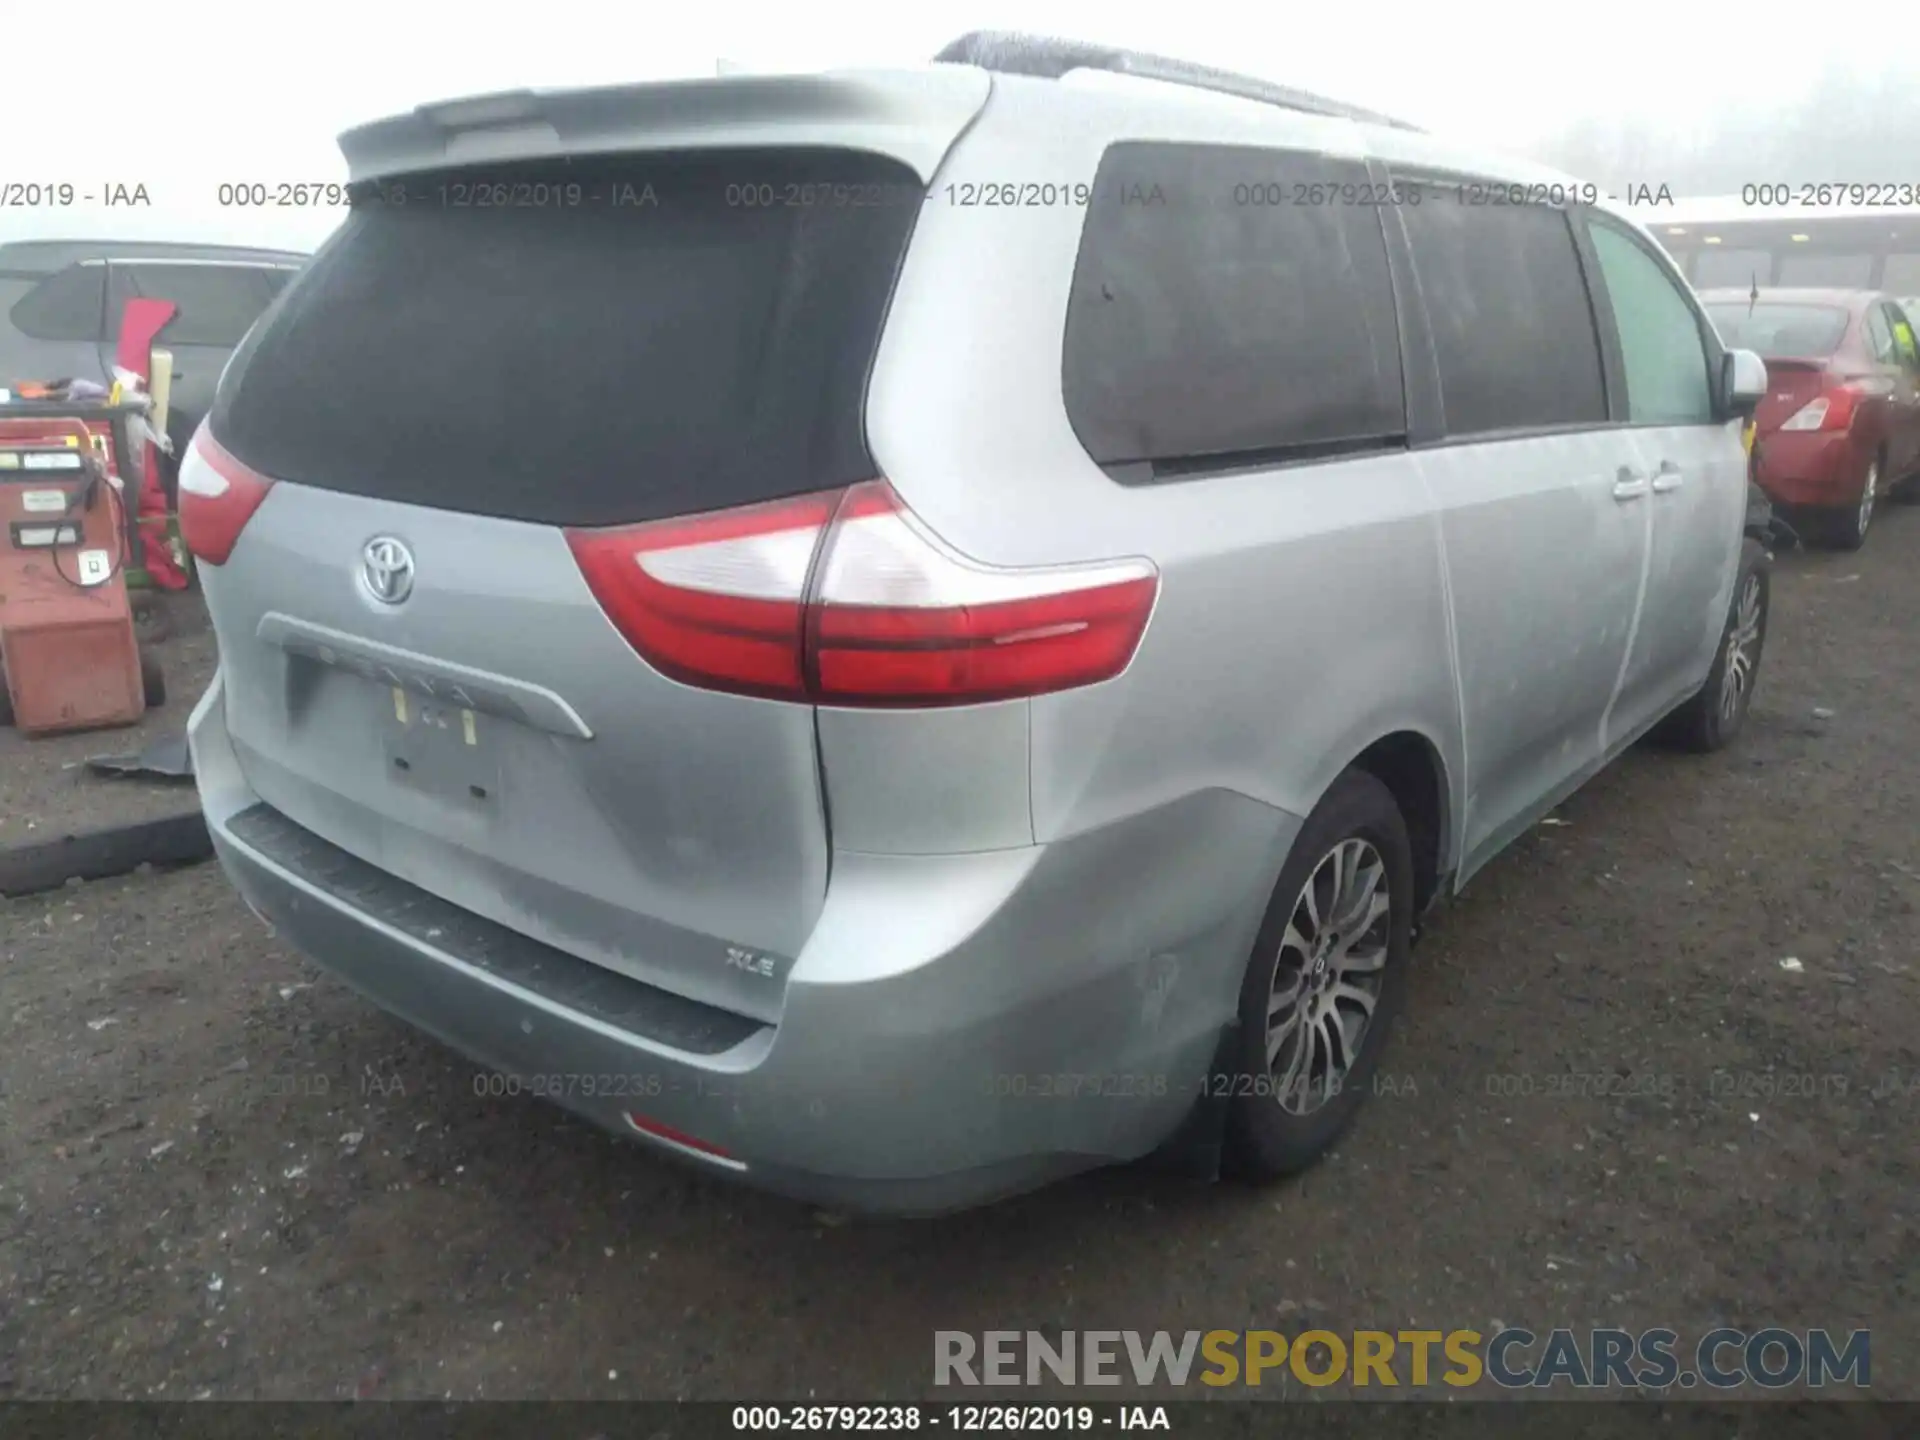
896, 636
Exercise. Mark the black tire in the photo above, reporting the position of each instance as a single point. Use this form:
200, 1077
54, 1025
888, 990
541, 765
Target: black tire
1703, 724
6, 703
1847, 525
153, 680
1265, 1140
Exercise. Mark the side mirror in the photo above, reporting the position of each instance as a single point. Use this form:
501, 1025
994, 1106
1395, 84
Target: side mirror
1743, 383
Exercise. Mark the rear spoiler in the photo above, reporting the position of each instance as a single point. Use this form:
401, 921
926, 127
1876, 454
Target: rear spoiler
914, 116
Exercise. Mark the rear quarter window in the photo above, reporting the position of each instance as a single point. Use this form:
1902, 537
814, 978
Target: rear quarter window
216, 302
68, 305
1219, 316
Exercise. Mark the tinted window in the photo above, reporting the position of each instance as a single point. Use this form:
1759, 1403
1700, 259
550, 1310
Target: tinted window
1780, 331
1213, 315
1716, 266
68, 305
1841, 271
217, 302
648, 342
1512, 325
1660, 342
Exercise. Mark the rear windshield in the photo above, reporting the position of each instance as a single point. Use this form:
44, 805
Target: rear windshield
583, 342
1780, 331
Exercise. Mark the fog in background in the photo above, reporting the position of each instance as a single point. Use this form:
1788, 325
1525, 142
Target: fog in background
1851, 122
1678, 92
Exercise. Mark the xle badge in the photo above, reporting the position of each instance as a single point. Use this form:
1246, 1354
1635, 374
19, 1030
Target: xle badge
749, 961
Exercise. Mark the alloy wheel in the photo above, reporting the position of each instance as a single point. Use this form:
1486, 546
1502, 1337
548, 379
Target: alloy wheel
1867, 494
1743, 650
1328, 976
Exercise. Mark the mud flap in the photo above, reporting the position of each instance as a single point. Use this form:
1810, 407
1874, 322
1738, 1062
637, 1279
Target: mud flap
1197, 1149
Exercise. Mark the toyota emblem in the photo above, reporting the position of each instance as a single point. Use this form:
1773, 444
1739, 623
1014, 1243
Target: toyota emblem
386, 569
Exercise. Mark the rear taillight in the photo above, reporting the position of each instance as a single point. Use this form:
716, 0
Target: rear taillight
848, 599
218, 495
898, 618
1810, 416
1833, 409
718, 600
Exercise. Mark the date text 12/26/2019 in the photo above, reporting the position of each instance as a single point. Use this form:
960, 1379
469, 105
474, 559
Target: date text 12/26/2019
957, 1419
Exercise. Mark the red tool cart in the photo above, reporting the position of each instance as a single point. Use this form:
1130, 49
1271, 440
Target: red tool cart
66, 629
108, 434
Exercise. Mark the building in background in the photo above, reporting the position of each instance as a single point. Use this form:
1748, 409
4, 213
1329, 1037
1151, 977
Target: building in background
1768, 238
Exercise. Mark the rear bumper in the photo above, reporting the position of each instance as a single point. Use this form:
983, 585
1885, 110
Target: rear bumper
1811, 467
1074, 1027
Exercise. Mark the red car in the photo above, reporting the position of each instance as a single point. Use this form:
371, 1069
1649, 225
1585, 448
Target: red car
1840, 426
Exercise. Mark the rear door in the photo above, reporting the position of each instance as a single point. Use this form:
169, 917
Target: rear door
480, 361
1542, 513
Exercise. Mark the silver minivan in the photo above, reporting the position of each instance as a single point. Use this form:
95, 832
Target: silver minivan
899, 635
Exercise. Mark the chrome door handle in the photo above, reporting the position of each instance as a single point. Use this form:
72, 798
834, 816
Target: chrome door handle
1629, 486
1667, 477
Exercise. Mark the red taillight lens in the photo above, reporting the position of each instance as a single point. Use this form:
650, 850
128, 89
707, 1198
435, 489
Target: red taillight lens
1834, 407
218, 495
718, 600
893, 616
899, 619
1841, 402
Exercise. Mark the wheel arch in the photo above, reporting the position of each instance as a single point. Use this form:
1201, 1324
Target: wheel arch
1410, 765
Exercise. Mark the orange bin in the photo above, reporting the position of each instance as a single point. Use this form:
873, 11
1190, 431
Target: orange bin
66, 628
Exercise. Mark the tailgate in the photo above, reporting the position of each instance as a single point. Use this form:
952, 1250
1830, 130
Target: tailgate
484, 356
495, 742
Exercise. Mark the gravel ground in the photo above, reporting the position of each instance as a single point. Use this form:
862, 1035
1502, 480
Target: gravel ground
223, 1174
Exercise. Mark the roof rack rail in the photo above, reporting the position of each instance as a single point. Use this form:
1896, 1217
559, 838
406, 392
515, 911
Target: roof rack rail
1013, 53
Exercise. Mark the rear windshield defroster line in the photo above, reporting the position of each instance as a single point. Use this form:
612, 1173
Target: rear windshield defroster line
584, 342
